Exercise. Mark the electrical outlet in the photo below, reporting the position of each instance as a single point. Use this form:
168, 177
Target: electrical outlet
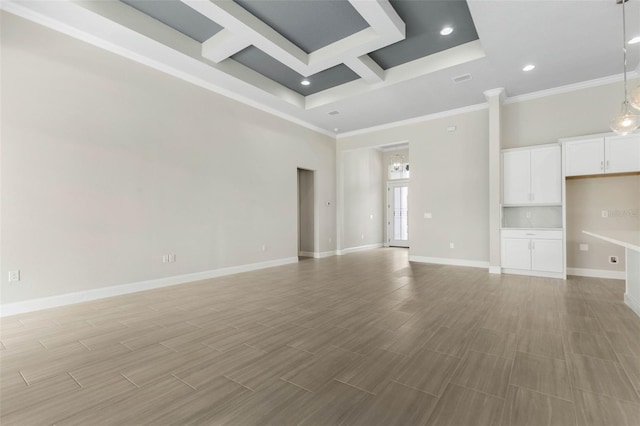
528, 215
605, 213
451, 245
428, 216
362, 237
172, 258
613, 260
14, 276
264, 247
584, 247
165, 258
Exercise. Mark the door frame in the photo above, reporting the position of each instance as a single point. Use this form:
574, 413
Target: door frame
316, 224
389, 215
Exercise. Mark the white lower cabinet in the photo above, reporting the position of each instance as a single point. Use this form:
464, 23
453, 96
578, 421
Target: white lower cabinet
532, 251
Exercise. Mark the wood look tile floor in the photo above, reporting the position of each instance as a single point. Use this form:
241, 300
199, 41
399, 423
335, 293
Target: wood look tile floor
362, 339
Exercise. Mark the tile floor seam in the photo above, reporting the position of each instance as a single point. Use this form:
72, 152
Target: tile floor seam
416, 389
130, 381
354, 386
571, 384
236, 382
299, 386
182, 381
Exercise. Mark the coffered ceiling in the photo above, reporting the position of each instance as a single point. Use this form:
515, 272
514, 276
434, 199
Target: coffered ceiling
366, 62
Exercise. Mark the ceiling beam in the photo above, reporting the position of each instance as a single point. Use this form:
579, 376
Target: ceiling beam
366, 68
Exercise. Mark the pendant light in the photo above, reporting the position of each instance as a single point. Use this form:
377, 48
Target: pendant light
626, 122
634, 98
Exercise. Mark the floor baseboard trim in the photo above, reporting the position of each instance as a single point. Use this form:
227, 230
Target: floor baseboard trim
632, 303
117, 290
359, 248
597, 273
324, 254
452, 262
495, 270
539, 274
318, 255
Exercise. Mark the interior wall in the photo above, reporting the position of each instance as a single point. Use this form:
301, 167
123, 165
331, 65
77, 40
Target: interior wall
545, 120
107, 165
306, 210
449, 179
364, 174
586, 199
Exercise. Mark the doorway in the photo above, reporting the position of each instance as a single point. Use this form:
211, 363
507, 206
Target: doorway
398, 214
306, 209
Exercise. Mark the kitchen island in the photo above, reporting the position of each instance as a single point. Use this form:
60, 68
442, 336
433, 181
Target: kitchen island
630, 240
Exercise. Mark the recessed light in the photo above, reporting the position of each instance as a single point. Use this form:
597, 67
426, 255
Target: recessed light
336, 130
635, 40
305, 82
528, 67
446, 31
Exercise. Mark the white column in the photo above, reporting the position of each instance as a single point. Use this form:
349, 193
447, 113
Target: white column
495, 98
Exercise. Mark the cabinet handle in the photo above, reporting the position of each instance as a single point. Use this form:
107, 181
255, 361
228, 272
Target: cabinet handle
529, 233
607, 164
602, 165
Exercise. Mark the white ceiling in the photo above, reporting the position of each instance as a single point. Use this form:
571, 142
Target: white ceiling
569, 41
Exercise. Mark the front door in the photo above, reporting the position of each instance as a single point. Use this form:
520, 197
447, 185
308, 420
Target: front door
398, 214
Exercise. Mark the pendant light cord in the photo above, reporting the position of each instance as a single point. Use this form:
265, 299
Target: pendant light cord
624, 49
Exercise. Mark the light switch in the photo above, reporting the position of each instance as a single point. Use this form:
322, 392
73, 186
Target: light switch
428, 215
584, 247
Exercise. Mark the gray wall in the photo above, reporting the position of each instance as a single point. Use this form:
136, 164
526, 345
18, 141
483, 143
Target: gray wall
107, 165
306, 210
364, 174
586, 198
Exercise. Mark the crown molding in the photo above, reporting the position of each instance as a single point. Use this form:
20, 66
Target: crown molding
415, 120
570, 87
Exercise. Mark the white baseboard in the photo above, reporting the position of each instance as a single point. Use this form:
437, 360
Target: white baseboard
116, 290
359, 248
558, 275
447, 261
597, 273
317, 255
324, 254
632, 303
495, 270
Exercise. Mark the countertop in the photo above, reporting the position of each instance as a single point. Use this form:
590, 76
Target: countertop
627, 239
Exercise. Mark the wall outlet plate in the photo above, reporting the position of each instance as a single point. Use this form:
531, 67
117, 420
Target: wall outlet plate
584, 247
14, 276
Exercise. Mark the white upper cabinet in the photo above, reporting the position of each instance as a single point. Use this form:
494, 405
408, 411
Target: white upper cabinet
603, 154
622, 154
584, 157
532, 176
516, 177
546, 175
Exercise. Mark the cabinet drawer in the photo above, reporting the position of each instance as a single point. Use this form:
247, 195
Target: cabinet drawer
532, 233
